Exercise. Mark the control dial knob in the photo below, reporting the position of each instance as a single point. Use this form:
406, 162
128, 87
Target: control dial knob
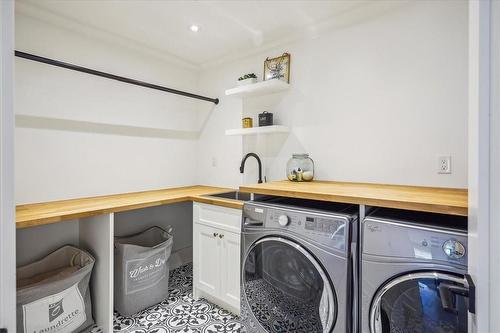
283, 220
454, 249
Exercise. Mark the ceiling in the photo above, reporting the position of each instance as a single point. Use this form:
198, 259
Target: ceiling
226, 28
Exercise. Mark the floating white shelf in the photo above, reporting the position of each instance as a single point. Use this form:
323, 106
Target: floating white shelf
258, 130
259, 88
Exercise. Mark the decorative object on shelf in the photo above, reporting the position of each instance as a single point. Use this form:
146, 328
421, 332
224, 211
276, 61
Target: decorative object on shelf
265, 119
247, 122
277, 68
247, 79
300, 168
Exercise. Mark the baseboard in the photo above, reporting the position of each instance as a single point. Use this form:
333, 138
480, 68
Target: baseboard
197, 294
181, 257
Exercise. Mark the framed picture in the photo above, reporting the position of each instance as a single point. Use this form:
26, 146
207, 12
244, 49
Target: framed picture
277, 68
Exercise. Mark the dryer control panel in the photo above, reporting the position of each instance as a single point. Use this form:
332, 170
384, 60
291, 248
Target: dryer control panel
399, 240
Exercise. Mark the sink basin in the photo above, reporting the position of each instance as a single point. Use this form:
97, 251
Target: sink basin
235, 195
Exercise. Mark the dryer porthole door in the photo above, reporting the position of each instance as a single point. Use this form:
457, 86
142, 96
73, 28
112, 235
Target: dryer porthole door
286, 289
421, 302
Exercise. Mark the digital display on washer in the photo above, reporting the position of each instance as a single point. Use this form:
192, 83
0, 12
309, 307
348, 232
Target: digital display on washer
310, 223
324, 226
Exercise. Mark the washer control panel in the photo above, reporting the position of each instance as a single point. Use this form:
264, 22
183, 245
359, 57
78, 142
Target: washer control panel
322, 228
283, 220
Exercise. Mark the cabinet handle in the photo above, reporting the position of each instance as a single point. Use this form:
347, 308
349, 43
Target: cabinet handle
215, 234
220, 236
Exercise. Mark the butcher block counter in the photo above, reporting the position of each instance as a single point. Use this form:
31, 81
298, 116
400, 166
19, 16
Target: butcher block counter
426, 199
31, 215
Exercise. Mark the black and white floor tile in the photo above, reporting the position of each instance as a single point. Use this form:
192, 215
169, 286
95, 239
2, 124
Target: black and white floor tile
95, 329
180, 312
278, 311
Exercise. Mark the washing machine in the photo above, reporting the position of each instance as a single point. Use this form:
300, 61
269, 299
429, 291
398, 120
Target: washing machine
296, 266
414, 273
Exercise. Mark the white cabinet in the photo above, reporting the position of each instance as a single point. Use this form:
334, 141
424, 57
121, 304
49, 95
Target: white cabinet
216, 257
206, 259
230, 279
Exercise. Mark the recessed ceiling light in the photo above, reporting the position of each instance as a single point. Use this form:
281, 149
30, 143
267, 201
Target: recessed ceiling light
194, 28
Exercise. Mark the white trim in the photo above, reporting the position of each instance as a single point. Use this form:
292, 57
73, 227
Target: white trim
479, 172
495, 165
7, 225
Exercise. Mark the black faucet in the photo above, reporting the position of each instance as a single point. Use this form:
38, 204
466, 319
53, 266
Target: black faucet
242, 166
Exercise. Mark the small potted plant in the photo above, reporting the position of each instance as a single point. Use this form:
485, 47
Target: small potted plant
247, 79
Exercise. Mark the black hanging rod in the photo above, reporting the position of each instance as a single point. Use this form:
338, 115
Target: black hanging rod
111, 76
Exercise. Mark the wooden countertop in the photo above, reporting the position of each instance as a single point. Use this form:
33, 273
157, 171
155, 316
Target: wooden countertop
427, 199
31, 215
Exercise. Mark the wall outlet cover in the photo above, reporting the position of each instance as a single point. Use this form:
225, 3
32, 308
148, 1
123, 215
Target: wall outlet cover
444, 164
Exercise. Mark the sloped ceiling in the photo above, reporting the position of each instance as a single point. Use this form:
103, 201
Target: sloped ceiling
226, 28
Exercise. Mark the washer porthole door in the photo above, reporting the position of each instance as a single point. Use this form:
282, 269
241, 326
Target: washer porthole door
286, 289
421, 302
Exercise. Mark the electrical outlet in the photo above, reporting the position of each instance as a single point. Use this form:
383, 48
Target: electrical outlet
444, 164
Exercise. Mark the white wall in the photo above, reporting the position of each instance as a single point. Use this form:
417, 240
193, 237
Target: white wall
56, 235
79, 135
376, 101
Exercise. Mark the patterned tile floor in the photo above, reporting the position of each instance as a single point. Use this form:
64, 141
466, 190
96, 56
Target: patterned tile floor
180, 312
278, 311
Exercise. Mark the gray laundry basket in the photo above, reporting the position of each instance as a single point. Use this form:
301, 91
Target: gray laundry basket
141, 270
53, 294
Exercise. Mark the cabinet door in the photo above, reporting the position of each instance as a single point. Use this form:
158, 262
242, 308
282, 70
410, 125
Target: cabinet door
230, 257
207, 259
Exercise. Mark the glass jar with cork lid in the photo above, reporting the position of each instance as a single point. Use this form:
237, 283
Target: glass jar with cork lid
300, 168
